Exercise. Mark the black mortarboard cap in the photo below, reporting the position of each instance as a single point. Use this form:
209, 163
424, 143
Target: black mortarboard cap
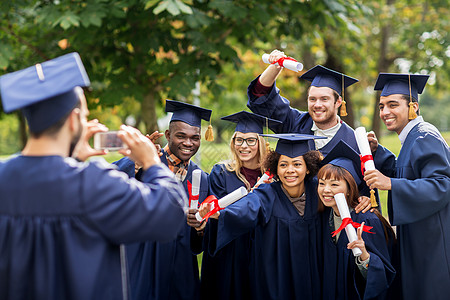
293, 144
44, 92
250, 122
321, 76
344, 156
392, 83
187, 113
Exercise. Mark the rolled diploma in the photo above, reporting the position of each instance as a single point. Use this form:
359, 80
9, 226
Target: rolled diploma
288, 64
363, 145
196, 175
262, 179
227, 200
345, 213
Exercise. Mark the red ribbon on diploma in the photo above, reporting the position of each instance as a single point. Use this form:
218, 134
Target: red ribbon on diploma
191, 197
365, 159
215, 206
281, 60
347, 221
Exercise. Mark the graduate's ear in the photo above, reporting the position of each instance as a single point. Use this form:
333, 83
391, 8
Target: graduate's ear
74, 119
167, 134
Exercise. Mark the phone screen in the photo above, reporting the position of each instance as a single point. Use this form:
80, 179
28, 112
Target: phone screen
107, 141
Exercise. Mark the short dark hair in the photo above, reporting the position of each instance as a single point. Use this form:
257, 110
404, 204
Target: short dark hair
56, 127
312, 160
412, 99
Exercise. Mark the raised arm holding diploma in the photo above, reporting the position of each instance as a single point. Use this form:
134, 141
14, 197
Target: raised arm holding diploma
286, 62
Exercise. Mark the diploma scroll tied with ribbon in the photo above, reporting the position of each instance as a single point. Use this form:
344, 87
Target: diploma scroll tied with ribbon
286, 62
219, 204
194, 188
347, 222
341, 203
366, 157
266, 176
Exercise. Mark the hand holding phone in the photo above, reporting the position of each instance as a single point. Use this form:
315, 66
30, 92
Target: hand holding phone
108, 141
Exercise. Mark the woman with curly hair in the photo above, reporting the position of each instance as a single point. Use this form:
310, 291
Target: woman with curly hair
285, 246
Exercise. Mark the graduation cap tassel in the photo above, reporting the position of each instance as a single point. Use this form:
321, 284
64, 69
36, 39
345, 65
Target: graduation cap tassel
209, 134
373, 200
343, 105
411, 113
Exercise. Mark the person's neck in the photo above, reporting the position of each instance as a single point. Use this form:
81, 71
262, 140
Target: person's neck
295, 191
327, 125
252, 164
45, 146
336, 211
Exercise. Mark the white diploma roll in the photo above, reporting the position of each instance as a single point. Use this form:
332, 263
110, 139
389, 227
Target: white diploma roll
227, 200
196, 175
345, 213
262, 179
364, 147
288, 64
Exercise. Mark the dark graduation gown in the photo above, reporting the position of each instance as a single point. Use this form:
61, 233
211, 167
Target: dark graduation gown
167, 270
285, 258
226, 274
418, 205
342, 278
275, 106
61, 223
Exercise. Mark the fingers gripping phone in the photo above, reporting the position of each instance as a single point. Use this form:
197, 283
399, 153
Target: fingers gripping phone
107, 141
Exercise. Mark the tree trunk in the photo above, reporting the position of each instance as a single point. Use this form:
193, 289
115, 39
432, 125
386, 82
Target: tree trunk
148, 111
383, 66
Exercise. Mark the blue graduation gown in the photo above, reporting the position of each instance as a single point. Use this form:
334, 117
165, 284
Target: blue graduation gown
275, 106
285, 259
167, 270
341, 277
418, 205
226, 274
61, 223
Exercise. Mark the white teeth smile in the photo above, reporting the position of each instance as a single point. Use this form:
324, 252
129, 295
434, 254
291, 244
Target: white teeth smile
186, 150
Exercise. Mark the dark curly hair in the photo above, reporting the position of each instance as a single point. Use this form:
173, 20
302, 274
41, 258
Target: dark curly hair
312, 160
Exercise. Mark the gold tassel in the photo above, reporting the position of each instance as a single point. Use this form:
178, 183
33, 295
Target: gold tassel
343, 109
373, 200
209, 134
412, 113
343, 106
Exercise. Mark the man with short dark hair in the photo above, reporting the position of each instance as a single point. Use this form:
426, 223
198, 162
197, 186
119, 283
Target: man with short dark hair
170, 270
62, 222
418, 182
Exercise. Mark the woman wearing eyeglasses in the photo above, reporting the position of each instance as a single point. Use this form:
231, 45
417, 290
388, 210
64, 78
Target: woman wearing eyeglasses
225, 275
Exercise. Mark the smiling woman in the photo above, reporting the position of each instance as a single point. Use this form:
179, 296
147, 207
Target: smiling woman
282, 214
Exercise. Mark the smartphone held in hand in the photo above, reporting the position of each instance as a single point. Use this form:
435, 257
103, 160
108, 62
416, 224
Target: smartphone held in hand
107, 141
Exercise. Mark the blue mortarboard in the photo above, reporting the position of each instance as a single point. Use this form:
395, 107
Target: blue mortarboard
344, 156
250, 122
293, 144
45, 92
324, 77
187, 113
391, 83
